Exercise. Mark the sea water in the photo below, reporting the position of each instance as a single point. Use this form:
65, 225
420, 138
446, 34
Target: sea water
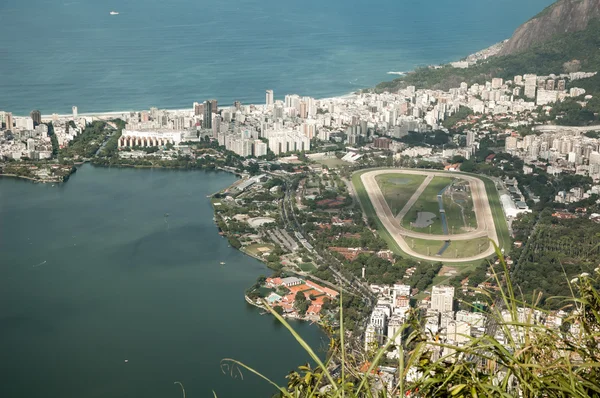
58, 53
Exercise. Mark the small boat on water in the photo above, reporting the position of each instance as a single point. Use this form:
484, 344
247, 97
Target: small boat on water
114, 13
222, 263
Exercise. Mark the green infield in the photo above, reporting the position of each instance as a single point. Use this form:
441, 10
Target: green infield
456, 248
398, 188
369, 211
458, 205
504, 241
424, 215
460, 248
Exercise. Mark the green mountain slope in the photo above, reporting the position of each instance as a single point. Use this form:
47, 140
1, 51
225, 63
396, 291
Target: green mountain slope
562, 53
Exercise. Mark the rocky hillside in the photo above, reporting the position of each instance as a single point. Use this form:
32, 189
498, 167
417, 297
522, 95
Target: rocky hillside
564, 16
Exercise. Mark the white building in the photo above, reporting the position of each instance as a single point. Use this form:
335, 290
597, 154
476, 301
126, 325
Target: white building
260, 148
376, 329
149, 139
442, 298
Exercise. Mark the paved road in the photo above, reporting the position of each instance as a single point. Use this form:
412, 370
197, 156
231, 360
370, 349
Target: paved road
483, 214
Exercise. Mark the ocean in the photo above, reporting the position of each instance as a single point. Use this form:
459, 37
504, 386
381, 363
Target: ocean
92, 273
58, 53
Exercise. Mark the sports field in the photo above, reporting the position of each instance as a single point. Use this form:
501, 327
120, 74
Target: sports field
427, 203
469, 204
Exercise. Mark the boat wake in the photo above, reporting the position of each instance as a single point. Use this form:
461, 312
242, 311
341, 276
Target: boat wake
40, 264
397, 73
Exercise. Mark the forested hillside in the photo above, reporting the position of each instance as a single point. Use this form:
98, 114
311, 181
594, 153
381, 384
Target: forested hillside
556, 251
577, 51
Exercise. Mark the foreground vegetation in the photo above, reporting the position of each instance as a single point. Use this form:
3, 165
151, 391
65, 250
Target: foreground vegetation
534, 360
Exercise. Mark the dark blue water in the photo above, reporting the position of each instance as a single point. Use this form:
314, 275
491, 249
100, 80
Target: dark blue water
92, 273
59, 53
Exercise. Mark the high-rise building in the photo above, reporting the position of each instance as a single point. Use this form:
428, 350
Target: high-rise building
269, 97
303, 110
382, 143
8, 120
260, 148
198, 109
442, 298
395, 324
215, 108
530, 85
470, 138
207, 117
36, 116
74, 112
237, 105
510, 143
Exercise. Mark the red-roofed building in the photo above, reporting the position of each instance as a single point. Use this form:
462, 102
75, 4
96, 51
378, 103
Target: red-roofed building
329, 292
273, 282
314, 309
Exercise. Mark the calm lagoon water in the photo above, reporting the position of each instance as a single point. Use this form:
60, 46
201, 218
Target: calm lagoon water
92, 273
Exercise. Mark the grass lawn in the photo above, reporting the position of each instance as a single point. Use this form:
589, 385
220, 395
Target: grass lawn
496, 207
398, 188
459, 209
464, 248
307, 267
332, 163
428, 202
368, 209
425, 247
498, 214
255, 249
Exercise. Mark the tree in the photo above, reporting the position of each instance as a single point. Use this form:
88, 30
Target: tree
301, 303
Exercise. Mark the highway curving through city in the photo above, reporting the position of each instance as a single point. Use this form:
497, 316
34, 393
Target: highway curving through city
481, 207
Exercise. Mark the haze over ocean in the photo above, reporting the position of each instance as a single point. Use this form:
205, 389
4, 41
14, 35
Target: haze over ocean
59, 53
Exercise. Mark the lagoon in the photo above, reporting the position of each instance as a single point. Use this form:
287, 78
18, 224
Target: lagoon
92, 273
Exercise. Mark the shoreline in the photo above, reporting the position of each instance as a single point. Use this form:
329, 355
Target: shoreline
32, 179
476, 55
99, 114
